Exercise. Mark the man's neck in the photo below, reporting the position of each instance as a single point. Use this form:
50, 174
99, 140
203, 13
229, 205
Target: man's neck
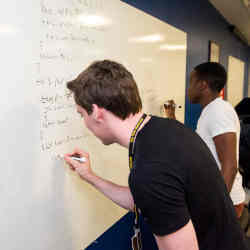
207, 99
124, 128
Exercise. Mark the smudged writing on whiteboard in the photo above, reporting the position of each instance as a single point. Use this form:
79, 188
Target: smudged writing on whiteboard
60, 26
53, 81
50, 144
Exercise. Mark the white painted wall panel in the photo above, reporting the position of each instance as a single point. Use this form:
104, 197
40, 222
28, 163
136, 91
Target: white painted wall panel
235, 84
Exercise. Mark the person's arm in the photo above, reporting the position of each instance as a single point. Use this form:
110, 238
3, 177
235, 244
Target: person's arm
226, 147
169, 108
183, 239
121, 195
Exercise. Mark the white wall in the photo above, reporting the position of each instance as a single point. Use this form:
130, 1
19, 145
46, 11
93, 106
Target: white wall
235, 84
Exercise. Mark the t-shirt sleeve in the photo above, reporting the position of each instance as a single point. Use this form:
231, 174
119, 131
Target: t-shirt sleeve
162, 199
221, 122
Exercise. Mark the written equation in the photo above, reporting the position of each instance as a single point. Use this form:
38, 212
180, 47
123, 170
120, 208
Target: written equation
64, 43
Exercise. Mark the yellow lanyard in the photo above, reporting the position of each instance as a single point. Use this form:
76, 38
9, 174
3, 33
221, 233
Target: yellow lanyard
131, 159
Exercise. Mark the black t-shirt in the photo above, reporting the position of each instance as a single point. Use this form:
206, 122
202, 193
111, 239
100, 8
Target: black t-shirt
175, 178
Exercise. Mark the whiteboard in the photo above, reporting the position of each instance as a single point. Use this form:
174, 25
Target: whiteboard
43, 45
235, 83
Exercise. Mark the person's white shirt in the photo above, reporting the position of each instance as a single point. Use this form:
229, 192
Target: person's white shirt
219, 117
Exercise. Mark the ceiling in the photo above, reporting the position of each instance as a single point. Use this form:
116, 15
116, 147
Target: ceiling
237, 13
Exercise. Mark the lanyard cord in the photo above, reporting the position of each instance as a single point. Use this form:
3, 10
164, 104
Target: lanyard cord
131, 159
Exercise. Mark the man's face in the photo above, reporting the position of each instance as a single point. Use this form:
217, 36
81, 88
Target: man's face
97, 127
194, 92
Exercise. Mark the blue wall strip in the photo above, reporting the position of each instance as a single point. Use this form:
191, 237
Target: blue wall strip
118, 237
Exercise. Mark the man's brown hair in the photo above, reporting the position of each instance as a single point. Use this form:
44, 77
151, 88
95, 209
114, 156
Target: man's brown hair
109, 85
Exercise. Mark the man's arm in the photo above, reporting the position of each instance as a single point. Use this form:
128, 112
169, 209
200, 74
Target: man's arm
183, 239
226, 147
169, 108
121, 195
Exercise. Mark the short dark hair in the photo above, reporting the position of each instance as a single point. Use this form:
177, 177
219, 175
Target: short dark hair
109, 85
213, 73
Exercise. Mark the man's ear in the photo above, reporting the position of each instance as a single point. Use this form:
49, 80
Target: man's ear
203, 85
97, 113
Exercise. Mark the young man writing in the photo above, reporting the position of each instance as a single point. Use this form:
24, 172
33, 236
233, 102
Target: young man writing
172, 171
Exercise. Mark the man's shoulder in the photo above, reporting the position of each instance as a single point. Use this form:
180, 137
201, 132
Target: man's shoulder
219, 109
219, 104
159, 123
219, 118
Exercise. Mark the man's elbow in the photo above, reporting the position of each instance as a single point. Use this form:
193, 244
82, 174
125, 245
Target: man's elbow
229, 172
229, 169
233, 173
234, 170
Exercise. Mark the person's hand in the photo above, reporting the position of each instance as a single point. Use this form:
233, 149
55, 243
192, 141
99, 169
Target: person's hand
169, 108
82, 168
